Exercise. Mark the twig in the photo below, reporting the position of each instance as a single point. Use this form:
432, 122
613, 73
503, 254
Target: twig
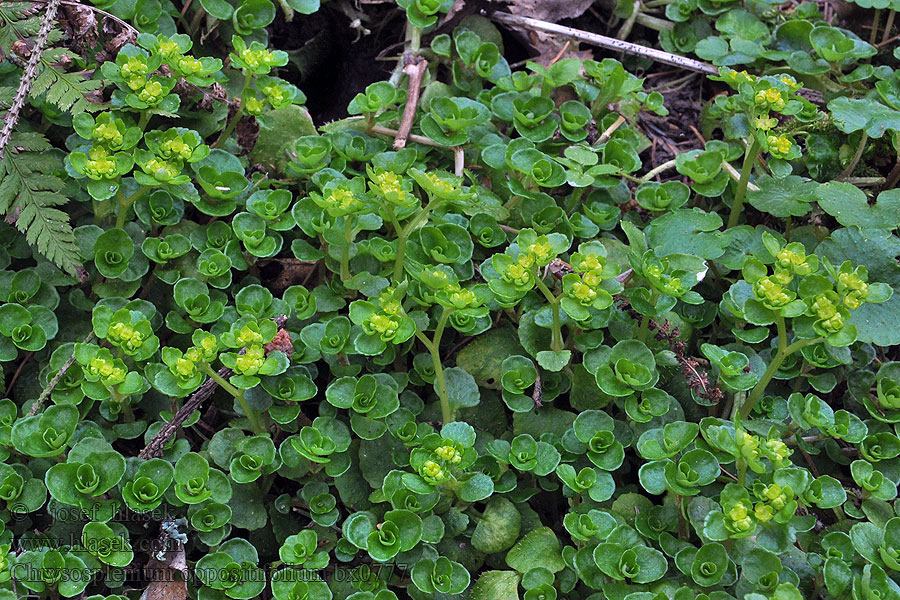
538, 394
415, 69
419, 139
657, 170
626, 47
607, 42
752, 187
604, 137
18, 372
45, 393
459, 160
154, 447
28, 75
559, 54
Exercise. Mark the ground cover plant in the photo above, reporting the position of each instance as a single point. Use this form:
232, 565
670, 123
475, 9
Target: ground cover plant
491, 334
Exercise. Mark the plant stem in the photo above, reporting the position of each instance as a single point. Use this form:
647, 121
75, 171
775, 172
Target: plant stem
145, 118
856, 156
252, 415
345, 254
784, 350
419, 218
248, 78
556, 343
657, 170
876, 19
888, 26
434, 349
644, 329
126, 203
736, 205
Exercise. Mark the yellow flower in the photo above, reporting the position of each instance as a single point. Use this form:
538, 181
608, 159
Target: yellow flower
764, 512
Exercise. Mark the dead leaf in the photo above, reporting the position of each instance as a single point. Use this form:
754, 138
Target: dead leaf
549, 10
168, 577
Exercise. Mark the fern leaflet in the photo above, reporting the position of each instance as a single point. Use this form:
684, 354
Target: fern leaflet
29, 191
65, 90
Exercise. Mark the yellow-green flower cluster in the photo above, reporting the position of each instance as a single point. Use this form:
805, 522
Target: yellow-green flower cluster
339, 201
736, 78
135, 72
125, 336
108, 371
108, 134
770, 99
161, 170
780, 146
175, 147
100, 164
449, 454
825, 308
772, 293
774, 501
520, 272
152, 92
391, 187
432, 472
852, 287
251, 361
792, 260
738, 518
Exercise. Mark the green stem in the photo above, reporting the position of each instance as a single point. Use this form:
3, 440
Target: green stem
784, 350
126, 203
248, 78
434, 349
644, 329
345, 254
419, 218
876, 20
145, 118
856, 156
252, 415
556, 343
737, 204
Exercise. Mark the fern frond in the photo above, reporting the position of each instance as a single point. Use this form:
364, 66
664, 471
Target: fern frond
6, 96
29, 190
65, 90
17, 20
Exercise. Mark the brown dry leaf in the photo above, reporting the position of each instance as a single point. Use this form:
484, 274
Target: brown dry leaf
549, 10
83, 23
167, 577
550, 48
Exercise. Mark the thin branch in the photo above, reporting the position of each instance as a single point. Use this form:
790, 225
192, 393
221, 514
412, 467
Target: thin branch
604, 137
45, 393
415, 69
419, 139
154, 447
623, 46
28, 75
459, 160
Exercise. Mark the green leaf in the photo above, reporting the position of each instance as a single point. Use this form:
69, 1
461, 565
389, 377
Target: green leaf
539, 548
687, 232
461, 388
478, 487
849, 205
496, 585
789, 196
852, 114
498, 528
